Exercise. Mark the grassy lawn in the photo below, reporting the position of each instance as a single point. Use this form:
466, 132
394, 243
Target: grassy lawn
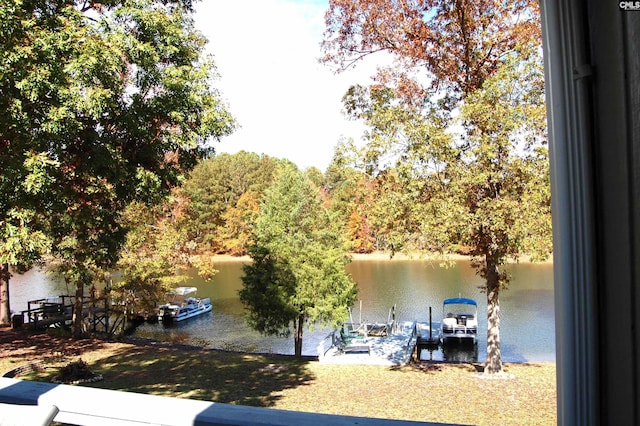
436, 392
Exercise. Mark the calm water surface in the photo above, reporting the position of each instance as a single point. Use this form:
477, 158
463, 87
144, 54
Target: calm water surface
527, 308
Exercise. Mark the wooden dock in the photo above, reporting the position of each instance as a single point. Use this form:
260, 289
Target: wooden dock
58, 312
396, 347
428, 333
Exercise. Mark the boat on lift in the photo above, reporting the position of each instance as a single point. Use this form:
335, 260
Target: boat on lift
459, 320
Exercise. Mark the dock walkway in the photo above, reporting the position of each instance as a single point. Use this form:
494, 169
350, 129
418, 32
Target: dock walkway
58, 312
395, 348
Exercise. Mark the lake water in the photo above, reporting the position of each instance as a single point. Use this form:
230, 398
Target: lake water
527, 307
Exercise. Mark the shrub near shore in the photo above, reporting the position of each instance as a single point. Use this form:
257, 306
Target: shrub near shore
435, 392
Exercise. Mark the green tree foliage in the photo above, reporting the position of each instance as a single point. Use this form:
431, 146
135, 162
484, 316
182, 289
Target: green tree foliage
499, 191
155, 256
21, 247
458, 121
297, 276
23, 171
114, 98
222, 192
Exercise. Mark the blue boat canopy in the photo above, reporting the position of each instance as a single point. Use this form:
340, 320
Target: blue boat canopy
459, 301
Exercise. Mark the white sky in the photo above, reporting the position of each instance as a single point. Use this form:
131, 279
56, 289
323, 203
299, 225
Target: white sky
287, 104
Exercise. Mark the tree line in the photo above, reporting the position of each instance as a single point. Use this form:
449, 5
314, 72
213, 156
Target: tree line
219, 202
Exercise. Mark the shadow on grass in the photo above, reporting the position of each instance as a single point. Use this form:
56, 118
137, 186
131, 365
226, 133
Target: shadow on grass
434, 367
28, 343
196, 373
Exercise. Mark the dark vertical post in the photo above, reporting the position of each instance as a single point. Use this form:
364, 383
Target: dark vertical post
430, 327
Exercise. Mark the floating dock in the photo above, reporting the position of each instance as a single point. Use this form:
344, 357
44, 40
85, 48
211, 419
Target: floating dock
427, 333
390, 344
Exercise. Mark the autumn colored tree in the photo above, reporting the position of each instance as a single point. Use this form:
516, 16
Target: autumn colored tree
458, 43
238, 223
113, 101
350, 199
359, 233
469, 65
499, 191
297, 277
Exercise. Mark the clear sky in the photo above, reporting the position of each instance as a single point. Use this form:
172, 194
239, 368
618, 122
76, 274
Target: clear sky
287, 104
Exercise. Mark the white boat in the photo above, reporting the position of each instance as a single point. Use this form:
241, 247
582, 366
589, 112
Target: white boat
185, 307
459, 320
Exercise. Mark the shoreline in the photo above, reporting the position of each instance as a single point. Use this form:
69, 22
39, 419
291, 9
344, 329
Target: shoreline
19, 342
528, 397
386, 256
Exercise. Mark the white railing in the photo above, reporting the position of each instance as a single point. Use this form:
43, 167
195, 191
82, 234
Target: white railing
79, 405
322, 346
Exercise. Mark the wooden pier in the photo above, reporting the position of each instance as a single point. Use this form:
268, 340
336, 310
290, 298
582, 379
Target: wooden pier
58, 312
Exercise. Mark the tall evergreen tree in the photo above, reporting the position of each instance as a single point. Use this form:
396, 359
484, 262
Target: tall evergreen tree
297, 276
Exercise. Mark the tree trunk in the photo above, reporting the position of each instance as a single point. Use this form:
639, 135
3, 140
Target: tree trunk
297, 338
78, 324
493, 364
5, 306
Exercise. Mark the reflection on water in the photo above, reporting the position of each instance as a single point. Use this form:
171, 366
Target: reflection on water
451, 352
527, 308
